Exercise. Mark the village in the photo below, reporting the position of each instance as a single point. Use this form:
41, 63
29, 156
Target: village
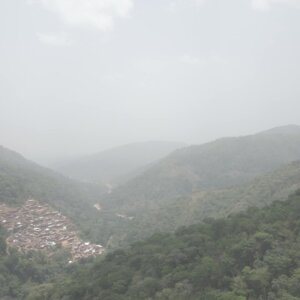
36, 226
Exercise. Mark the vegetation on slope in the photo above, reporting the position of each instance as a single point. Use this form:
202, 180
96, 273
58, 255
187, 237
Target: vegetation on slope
210, 180
167, 216
188, 186
224, 163
20, 272
21, 179
250, 256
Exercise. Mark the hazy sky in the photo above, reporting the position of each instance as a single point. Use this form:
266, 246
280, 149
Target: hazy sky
79, 76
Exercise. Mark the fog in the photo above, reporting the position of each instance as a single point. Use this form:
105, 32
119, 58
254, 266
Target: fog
81, 76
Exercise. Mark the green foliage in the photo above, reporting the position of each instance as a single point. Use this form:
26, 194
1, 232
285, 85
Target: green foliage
21, 273
250, 256
169, 214
21, 179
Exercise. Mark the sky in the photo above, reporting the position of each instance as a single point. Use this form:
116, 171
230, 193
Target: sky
81, 76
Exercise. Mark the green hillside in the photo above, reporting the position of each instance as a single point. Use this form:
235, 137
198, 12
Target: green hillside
198, 206
20, 272
210, 180
250, 256
219, 164
191, 184
218, 203
21, 179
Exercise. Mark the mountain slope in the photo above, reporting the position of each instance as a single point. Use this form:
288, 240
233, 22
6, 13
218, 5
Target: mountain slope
146, 218
222, 163
250, 256
20, 272
210, 180
21, 179
117, 164
218, 203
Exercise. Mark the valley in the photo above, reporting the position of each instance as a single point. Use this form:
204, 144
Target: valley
150, 150
128, 242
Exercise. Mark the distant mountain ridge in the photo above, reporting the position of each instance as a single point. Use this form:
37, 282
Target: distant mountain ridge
118, 164
209, 180
288, 130
223, 163
190, 184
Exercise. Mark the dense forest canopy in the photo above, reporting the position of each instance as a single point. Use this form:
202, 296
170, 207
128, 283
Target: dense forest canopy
250, 256
20, 272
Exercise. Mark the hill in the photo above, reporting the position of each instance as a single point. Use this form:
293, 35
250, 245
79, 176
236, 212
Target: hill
223, 163
21, 180
191, 184
209, 180
146, 218
219, 203
250, 256
118, 164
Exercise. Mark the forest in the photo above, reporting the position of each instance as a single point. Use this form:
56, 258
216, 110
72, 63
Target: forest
250, 256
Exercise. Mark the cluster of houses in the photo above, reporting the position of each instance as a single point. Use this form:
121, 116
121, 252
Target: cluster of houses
36, 226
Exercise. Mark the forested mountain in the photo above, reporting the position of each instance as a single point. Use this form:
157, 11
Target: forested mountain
119, 164
191, 184
249, 256
21, 179
223, 163
210, 180
149, 217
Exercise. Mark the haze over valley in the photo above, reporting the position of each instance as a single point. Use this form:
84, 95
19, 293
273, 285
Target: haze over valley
149, 150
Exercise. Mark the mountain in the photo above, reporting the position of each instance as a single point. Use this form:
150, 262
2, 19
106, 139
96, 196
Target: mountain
143, 219
118, 164
249, 256
21, 179
285, 130
217, 203
223, 163
209, 180
189, 185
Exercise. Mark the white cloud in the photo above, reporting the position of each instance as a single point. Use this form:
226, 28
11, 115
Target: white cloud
190, 60
99, 14
54, 39
261, 5
207, 60
175, 5
265, 5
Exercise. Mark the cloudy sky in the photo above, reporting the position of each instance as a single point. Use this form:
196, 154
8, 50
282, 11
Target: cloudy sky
79, 76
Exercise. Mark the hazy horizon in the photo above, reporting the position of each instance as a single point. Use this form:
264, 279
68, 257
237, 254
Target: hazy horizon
56, 160
77, 79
